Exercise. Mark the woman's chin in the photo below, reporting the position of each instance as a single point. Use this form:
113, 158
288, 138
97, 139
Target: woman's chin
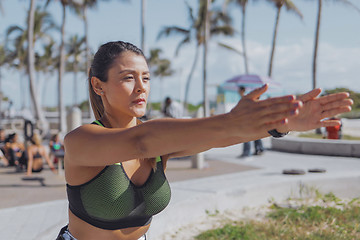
139, 114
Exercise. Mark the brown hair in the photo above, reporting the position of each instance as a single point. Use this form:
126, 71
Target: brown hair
102, 62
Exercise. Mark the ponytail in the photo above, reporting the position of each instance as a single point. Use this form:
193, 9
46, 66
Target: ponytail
95, 100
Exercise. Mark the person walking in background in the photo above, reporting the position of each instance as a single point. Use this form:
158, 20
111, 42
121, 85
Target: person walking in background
36, 155
259, 149
115, 167
172, 109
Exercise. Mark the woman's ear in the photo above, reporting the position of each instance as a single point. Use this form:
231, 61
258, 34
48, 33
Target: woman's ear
97, 86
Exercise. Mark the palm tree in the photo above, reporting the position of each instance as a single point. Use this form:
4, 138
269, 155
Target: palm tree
3, 62
317, 34
242, 4
75, 49
22, 54
290, 6
1, 8
17, 54
205, 52
61, 70
48, 62
143, 9
81, 8
160, 67
219, 24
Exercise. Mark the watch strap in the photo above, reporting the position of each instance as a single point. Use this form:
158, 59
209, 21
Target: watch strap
277, 134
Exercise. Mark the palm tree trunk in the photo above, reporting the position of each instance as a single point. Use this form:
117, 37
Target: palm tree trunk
41, 121
143, 6
317, 33
206, 39
75, 84
188, 81
1, 98
62, 121
86, 30
87, 55
274, 41
243, 39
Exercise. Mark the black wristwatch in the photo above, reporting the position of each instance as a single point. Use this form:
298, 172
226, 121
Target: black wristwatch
277, 134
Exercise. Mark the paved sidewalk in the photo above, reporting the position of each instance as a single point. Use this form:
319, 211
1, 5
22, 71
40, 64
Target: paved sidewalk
37, 209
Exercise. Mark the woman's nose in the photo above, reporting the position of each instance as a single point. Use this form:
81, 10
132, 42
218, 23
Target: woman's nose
140, 86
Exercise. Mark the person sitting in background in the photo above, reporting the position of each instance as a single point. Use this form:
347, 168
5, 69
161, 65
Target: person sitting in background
15, 151
2, 139
55, 145
3, 160
36, 154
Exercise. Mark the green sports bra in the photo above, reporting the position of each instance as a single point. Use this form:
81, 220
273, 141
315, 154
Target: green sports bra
111, 201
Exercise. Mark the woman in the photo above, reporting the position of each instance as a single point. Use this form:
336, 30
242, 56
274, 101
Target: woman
15, 150
114, 168
36, 153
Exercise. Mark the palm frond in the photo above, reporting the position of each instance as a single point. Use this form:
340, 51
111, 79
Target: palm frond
290, 6
172, 30
228, 47
350, 4
181, 44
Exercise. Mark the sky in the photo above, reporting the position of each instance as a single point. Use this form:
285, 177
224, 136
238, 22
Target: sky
338, 54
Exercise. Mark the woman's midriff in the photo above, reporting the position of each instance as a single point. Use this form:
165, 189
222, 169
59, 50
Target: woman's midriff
37, 164
82, 230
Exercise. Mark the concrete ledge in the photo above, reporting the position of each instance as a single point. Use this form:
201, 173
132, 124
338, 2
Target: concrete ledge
345, 148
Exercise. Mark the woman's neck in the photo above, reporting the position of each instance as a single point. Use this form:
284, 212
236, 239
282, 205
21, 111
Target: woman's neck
111, 121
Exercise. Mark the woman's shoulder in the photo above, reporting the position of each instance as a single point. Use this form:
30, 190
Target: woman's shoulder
84, 132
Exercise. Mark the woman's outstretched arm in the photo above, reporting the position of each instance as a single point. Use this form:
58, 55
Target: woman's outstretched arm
310, 116
92, 145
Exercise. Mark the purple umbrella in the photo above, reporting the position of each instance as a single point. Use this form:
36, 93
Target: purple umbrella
250, 81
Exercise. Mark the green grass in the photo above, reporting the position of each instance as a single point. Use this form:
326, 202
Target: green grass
335, 221
319, 136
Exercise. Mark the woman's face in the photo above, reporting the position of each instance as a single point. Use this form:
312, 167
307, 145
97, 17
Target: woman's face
126, 91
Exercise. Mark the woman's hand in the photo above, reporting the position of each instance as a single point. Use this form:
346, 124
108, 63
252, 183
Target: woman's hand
255, 117
315, 110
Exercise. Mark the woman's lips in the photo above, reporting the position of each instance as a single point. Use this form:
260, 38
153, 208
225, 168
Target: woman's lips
139, 101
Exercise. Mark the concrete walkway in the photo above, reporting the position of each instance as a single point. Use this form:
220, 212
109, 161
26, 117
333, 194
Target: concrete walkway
227, 183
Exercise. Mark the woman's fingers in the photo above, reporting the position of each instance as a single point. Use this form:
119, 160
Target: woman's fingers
333, 112
329, 123
333, 97
274, 125
273, 117
310, 95
278, 100
255, 94
337, 104
271, 107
